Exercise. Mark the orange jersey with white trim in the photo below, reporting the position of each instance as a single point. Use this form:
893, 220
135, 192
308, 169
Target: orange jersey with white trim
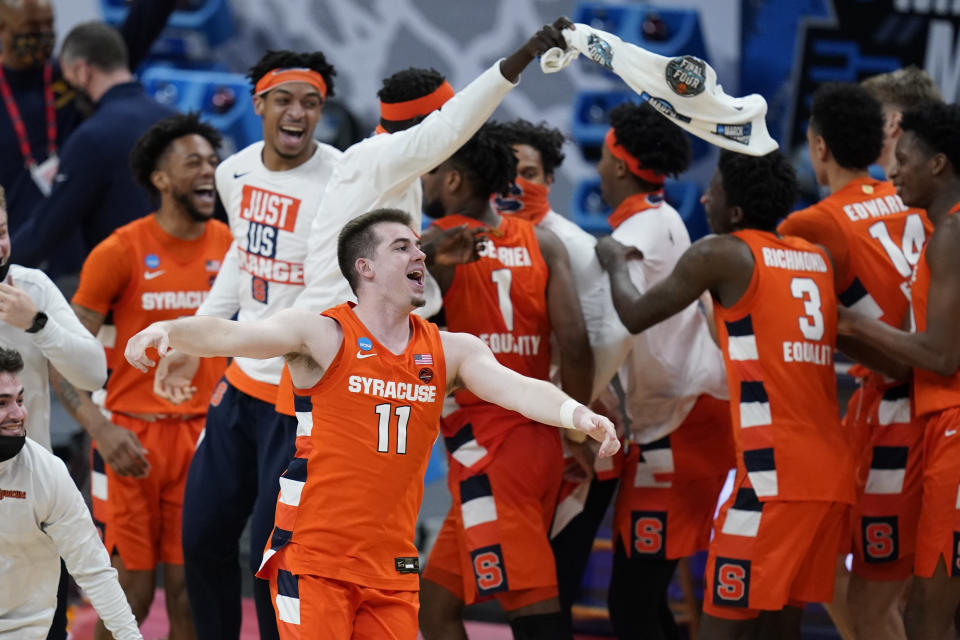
931, 392
144, 275
349, 500
502, 298
778, 343
874, 239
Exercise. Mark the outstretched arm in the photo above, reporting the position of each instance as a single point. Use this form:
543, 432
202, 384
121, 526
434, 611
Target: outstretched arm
281, 334
471, 364
721, 265
936, 349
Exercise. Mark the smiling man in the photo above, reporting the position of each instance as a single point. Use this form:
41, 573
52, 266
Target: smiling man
43, 517
370, 380
155, 268
271, 191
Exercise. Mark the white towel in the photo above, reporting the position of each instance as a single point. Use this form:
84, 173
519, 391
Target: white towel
683, 89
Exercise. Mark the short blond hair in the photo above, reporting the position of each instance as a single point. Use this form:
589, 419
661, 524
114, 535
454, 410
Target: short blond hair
903, 88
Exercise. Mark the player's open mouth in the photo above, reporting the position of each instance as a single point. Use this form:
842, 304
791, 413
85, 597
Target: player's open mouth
205, 194
12, 429
292, 134
416, 276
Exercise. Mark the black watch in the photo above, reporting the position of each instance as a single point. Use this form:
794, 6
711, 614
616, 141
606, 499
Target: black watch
39, 322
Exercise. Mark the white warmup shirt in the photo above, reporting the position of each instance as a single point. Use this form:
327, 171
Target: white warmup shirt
64, 342
270, 215
672, 362
609, 339
384, 171
43, 517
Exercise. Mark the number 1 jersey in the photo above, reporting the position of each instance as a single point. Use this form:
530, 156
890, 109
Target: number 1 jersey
777, 343
502, 299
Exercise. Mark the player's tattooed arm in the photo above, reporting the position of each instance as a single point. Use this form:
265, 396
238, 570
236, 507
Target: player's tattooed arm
937, 348
566, 319
120, 448
719, 264
89, 318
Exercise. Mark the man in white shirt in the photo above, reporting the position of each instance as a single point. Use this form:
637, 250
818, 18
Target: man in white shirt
37, 321
271, 191
43, 517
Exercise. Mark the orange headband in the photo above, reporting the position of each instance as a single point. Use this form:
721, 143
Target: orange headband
619, 151
276, 77
409, 109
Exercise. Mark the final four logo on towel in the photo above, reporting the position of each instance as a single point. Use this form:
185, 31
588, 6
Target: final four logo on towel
422, 359
686, 75
600, 51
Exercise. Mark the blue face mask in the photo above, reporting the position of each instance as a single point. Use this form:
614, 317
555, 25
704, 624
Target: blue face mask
11, 446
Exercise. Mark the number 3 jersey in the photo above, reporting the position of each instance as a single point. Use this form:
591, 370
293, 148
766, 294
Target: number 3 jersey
778, 343
502, 299
349, 499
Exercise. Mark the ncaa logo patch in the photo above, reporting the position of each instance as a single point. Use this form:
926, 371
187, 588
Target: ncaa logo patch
365, 344
152, 261
731, 582
686, 75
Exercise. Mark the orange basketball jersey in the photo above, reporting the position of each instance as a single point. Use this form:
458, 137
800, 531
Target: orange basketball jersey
931, 392
349, 499
875, 241
502, 299
145, 275
778, 343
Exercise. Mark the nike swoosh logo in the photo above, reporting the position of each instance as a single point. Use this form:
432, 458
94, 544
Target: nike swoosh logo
239, 175
361, 355
150, 275
949, 432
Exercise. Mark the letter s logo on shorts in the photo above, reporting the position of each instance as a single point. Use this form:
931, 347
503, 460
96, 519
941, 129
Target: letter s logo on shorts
955, 565
489, 570
880, 539
217, 396
731, 582
648, 533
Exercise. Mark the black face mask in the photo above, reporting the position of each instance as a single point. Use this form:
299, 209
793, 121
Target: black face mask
10, 446
33, 48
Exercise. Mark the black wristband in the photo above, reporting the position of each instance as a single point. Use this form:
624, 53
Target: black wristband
39, 322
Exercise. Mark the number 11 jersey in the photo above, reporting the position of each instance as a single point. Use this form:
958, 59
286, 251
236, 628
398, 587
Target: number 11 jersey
349, 499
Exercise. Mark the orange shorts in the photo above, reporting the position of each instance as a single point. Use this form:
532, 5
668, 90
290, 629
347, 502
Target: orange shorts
765, 556
888, 444
494, 541
310, 607
144, 515
669, 488
938, 531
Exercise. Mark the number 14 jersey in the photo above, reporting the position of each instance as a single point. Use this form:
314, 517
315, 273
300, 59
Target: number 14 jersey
778, 343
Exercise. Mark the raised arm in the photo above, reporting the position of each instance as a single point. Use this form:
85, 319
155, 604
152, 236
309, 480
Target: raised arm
471, 364
936, 349
64, 341
566, 319
721, 265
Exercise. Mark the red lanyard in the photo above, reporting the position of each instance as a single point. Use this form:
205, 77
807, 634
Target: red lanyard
14, 112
